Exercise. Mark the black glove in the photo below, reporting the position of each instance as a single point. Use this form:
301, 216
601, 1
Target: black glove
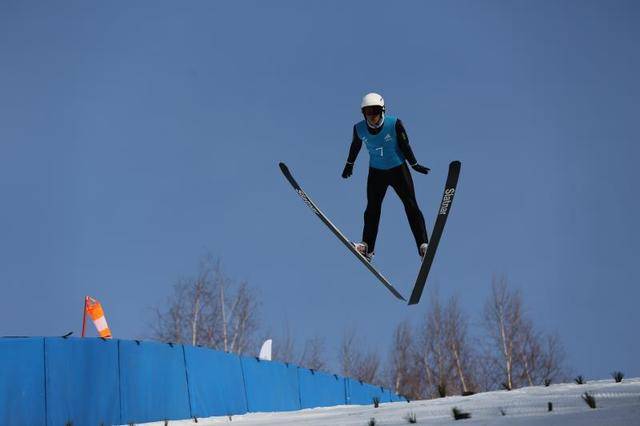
348, 170
421, 169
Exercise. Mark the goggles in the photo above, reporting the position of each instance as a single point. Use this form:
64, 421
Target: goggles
372, 110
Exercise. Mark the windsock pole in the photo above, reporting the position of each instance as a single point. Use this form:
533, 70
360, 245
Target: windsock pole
84, 316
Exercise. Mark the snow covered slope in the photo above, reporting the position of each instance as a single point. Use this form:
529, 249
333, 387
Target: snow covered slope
616, 404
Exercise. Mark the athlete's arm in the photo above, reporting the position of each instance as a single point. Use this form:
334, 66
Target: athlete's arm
356, 145
405, 148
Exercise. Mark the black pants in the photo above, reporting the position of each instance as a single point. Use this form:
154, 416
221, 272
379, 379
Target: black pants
399, 178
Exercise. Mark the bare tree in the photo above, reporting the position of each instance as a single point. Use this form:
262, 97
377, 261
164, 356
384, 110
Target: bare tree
541, 357
357, 363
209, 310
313, 354
523, 356
457, 343
504, 324
197, 294
433, 351
552, 366
403, 374
182, 321
169, 326
367, 369
486, 366
241, 319
348, 355
529, 353
284, 346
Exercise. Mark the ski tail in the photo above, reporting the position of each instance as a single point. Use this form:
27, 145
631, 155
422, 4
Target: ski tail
438, 228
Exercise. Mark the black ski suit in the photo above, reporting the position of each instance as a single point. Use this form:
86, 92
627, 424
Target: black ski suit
399, 178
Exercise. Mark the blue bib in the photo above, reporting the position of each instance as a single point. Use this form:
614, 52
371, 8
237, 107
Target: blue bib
384, 152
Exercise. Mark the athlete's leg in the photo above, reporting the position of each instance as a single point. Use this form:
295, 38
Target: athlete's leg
402, 183
377, 184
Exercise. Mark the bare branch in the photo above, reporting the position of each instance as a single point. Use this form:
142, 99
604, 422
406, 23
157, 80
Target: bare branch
313, 354
198, 311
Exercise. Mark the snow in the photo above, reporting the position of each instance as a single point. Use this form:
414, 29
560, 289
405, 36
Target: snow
617, 404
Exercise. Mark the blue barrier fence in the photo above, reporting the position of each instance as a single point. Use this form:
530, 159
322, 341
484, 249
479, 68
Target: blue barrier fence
58, 381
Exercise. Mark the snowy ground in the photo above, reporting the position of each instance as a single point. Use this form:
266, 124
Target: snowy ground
617, 404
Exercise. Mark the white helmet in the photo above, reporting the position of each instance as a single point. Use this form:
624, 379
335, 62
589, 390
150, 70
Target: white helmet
372, 99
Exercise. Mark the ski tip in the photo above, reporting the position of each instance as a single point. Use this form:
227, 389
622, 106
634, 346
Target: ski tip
283, 167
455, 163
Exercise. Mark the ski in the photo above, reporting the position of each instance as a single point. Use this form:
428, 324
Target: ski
336, 231
443, 213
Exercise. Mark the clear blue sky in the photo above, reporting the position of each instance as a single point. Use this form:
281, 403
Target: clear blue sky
137, 136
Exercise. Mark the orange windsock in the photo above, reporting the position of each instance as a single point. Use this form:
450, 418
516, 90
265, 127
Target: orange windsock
94, 309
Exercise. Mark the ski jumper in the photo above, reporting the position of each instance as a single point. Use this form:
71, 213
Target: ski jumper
388, 148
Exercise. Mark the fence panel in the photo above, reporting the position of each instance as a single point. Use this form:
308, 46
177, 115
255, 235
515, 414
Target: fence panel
22, 388
153, 382
82, 381
319, 389
271, 385
360, 393
215, 382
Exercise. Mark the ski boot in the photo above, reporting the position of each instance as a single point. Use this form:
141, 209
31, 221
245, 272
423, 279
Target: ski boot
363, 249
423, 250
